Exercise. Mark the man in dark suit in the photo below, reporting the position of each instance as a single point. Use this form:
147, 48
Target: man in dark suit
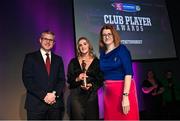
44, 79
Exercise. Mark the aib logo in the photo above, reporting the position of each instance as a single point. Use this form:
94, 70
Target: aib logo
126, 7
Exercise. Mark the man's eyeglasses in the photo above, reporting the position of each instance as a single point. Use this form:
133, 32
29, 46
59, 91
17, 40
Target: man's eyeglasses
47, 40
109, 35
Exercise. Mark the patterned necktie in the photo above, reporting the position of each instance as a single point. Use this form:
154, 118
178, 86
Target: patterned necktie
48, 64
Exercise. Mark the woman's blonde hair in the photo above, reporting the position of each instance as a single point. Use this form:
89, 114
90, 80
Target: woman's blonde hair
115, 34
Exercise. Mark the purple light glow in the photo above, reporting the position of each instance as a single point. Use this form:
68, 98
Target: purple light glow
52, 15
138, 82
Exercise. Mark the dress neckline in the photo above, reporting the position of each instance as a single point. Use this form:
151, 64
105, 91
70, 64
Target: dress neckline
89, 65
112, 51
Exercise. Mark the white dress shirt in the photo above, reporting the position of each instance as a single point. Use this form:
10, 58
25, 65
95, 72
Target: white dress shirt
43, 53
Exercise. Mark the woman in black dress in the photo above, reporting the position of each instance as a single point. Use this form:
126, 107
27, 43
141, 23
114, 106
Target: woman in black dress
83, 96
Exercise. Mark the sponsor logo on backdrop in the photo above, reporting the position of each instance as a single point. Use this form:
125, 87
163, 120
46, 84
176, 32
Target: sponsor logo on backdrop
126, 7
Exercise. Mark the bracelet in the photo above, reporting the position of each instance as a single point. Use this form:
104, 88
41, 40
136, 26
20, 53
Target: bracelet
126, 94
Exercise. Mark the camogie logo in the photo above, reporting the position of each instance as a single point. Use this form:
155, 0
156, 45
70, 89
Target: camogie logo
126, 7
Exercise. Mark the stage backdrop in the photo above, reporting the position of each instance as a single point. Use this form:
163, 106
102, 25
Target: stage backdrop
143, 25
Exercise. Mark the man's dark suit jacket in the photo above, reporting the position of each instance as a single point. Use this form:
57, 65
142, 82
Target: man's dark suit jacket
38, 83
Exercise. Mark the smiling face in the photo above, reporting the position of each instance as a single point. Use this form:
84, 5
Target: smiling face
47, 41
83, 46
107, 37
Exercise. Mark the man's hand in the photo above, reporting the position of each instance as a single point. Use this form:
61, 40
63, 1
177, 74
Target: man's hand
50, 98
